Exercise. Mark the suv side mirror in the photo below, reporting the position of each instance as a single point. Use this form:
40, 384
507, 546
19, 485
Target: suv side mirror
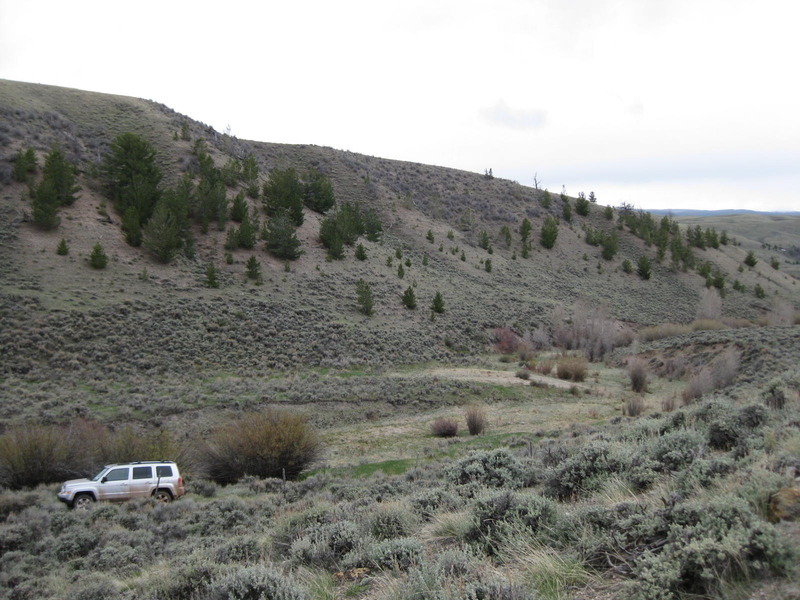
104, 479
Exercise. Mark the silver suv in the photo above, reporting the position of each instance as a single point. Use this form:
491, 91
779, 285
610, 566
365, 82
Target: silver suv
159, 479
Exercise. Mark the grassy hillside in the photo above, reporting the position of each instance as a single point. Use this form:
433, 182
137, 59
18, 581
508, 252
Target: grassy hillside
572, 469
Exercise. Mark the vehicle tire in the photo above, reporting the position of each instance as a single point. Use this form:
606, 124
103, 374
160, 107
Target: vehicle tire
83, 501
162, 496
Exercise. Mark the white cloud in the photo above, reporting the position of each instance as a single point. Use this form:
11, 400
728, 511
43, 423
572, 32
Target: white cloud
514, 118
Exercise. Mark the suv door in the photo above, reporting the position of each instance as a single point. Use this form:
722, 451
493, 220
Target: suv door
142, 482
115, 485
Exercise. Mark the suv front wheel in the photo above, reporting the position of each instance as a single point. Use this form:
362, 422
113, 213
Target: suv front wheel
162, 496
82, 501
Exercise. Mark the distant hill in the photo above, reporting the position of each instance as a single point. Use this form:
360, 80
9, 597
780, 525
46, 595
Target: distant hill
688, 212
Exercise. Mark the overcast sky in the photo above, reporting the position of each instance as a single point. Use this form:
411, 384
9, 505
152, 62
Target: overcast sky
661, 103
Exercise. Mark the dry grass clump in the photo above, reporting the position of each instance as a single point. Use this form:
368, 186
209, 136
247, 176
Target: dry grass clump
445, 428
668, 404
633, 406
263, 444
477, 421
657, 332
719, 374
571, 368
707, 325
544, 367
524, 374
637, 371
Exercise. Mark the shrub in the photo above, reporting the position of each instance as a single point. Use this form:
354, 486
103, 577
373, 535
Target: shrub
445, 428
627, 266
255, 582
399, 553
549, 232
507, 514
33, 454
437, 305
524, 374
637, 371
391, 520
643, 267
98, 258
263, 444
498, 468
409, 298
582, 471
676, 449
571, 368
505, 340
62, 249
774, 395
326, 545
212, 280
633, 406
544, 367
364, 297
476, 420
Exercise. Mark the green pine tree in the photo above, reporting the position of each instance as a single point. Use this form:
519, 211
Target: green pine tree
162, 234
437, 305
361, 252
212, 276
643, 267
283, 192
62, 249
549, 233
98, 258
364, 297
44, 205
58, 170
253, 268
409, 298
281, 239
401, 272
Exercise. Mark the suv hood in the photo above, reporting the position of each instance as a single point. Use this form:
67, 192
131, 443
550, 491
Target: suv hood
76, 481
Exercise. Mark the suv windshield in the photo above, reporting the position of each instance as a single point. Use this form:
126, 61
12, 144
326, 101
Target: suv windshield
100, 474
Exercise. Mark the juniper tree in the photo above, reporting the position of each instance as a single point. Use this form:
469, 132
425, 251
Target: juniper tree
437, 305
24, 165
318, 192
131, 175
409, 298
44, 205
525, 230
549, 233
582, 205
162, 235
98, 258
364, 297
238, 208
212, 279
643, 267
281, 239
283, 192
61, 173
253, 268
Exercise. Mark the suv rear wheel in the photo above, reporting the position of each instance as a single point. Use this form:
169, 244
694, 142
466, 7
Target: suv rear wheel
82, 501
162, 496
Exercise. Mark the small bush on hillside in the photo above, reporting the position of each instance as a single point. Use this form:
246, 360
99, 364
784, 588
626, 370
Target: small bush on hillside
445, 428
498, 516
262, 444
677, 449
571, 368
98, 258
325, 546
633, 406
498, 468
476, 420
395, 554
544, 367
582, 471
254, 582
391, 520
637, 371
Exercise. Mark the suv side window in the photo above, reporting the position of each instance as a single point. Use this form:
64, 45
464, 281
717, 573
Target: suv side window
118, 474
142, 472
164, 471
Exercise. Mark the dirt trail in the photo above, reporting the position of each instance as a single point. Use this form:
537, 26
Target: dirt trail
493, 377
